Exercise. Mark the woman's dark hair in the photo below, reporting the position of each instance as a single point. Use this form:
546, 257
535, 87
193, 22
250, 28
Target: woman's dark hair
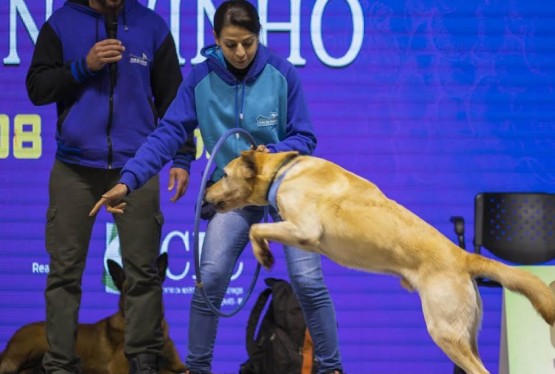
239, 13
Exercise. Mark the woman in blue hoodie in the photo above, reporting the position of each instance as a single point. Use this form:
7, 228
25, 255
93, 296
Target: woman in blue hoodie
240, 85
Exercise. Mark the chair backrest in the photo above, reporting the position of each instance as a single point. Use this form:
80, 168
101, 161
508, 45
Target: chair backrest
516, 226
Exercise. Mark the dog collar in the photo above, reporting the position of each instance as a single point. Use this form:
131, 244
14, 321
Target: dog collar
275, 183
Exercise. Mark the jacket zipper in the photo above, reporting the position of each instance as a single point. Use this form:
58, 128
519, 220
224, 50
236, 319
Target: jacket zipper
109, 126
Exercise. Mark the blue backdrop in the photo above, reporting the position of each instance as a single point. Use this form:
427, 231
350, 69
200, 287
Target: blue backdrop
433, 100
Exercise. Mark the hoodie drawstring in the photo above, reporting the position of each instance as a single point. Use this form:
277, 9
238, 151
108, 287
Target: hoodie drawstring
242, 104
123, 14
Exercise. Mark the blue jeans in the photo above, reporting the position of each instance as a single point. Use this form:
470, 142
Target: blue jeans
226, 237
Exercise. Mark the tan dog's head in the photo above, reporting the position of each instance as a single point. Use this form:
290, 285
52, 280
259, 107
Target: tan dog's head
246, 180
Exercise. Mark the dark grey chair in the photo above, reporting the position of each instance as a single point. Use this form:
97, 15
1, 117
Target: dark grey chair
517, 227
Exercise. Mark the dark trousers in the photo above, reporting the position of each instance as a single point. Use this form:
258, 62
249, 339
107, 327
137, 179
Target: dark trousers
73, 191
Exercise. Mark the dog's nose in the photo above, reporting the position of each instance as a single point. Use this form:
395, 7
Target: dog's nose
207, 210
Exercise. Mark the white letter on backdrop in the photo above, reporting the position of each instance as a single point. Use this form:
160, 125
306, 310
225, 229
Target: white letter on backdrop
316, 34
294, 27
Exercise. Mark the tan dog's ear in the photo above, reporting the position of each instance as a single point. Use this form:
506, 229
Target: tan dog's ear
248, 158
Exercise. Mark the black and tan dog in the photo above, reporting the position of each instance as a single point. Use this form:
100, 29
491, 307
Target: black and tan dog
99, 345
329, 210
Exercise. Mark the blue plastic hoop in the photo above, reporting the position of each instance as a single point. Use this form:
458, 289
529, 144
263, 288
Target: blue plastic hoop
196, 246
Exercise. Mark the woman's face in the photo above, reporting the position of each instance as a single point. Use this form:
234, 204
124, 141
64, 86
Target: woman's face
238, 45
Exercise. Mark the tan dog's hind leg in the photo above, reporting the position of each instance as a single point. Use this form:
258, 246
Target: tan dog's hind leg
452, 312
283, 232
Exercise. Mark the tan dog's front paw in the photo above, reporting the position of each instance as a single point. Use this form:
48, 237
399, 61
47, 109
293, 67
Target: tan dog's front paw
263, 255
267, 259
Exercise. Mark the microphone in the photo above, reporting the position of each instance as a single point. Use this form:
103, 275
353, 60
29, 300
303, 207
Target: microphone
111, 24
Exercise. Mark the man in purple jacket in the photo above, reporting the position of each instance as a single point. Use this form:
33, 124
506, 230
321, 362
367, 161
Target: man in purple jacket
111, 68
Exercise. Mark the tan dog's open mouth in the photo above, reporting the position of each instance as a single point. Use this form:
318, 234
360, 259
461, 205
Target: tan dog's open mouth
220, 207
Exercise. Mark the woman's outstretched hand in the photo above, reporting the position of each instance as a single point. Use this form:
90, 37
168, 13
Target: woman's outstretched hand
260, 148
112, 200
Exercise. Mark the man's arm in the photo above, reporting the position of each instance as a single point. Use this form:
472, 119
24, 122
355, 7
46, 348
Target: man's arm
51, 79
48, 78
166, 78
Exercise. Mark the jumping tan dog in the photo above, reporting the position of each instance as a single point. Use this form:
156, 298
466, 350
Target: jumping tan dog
329, 210
99, 345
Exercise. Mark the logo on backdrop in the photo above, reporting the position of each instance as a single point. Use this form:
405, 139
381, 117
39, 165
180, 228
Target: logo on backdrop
181, 282
113, 253
30, 18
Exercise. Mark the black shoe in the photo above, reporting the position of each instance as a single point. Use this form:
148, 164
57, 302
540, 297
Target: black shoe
144, 363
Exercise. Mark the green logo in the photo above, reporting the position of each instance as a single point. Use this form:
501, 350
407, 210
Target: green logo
112, 252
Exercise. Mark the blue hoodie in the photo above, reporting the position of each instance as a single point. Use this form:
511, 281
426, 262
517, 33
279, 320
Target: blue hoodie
101, 125
268, 103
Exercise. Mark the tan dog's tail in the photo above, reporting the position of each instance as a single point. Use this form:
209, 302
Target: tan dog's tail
516, 280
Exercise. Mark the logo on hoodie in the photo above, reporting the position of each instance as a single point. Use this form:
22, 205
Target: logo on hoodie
141, 60
263, 121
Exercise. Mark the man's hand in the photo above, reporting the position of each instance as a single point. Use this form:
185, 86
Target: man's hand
181, 176
112, 200
104, 52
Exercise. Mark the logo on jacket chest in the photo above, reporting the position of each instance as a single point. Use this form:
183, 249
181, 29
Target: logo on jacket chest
141, 60
271, 120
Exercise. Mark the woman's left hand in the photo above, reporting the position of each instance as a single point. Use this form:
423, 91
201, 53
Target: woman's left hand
112, 200
261, 148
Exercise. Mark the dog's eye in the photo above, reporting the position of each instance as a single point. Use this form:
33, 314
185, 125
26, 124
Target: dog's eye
225, 175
